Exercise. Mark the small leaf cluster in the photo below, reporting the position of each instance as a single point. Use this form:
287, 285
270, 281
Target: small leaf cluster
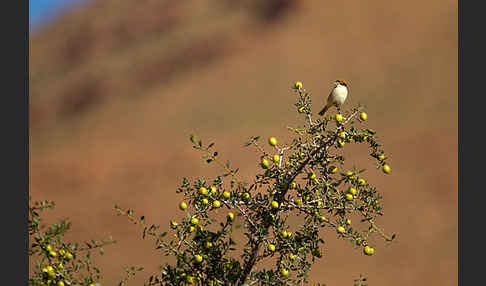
57, 262
305, 177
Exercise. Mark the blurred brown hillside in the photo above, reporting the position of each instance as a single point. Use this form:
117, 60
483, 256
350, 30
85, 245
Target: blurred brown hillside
116, 87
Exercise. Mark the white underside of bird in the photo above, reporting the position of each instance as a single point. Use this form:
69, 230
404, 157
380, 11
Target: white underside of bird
336, 98
338, 95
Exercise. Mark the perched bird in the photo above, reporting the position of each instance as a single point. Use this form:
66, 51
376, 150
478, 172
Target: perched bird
337, 96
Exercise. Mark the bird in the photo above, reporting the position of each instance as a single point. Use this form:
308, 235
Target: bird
337, 96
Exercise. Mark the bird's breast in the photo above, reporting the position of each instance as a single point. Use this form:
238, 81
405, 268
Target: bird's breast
339, 94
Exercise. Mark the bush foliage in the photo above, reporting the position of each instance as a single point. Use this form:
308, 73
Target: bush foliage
302, 180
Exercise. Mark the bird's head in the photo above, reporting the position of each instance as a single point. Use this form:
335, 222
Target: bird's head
340, 82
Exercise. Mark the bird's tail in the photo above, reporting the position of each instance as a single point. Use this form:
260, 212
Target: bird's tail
324, 109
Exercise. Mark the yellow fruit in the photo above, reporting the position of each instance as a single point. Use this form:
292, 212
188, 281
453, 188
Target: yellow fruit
334, 170
275, 205
246, 196
298, 85
302, 109
194, 221
265, 164
293, 185
190, 279
352, 191
381, 157
368, 250
226, 195
231, 216
299, 202
216, 204
341, 229
173, 224
284, 234
342, 134
276, 158
183, 206
213, 190
349, 197
272, 141
68, 256
363, 116
62, 252
312, 176
349, 173
205, 201
51, 274
198, 258
386, 169
191, 229
348, 221
271, 247
60, 283
48, 248
340, 143
292, 256
320, 203
339, 117
289, 233
203, 191
361, 182
52, 253
209, 244
284, 272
